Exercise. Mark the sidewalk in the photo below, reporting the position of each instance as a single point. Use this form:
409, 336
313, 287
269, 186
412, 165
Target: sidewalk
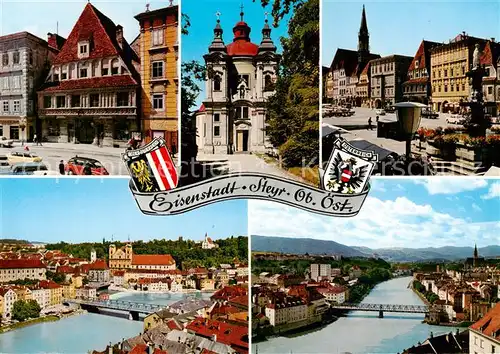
81, 148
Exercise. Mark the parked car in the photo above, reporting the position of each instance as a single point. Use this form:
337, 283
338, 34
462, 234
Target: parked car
4, 142
77, 166
29, 168
428, 113
380, 112
22, 156
4, 166
390, 109
455, 119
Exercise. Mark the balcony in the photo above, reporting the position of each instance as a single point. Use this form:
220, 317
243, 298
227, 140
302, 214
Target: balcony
89, 111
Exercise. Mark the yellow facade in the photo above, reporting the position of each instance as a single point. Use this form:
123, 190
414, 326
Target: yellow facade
1, 305
56, 295
68, 291
77, 281
152, 321
449, 65
159, 122
120, 258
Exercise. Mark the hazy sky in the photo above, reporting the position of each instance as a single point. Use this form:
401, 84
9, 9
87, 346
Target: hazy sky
88, 209
415, 213
203, 20
398, 27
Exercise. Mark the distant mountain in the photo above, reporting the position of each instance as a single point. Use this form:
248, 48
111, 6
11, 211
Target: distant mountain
301, 246
320, 247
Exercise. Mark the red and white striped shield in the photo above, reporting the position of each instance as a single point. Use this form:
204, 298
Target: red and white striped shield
346, 175
163, 168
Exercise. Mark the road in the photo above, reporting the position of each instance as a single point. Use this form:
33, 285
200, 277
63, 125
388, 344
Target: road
53, 153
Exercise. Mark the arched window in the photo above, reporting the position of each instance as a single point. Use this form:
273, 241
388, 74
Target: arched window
217, 81
268, 82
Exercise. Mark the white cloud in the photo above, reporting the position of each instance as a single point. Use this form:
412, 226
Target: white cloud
451, 185
391, 223
476, 207
493, 192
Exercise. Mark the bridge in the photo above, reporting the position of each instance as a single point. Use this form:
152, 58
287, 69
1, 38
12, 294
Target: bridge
133, 308
381, 308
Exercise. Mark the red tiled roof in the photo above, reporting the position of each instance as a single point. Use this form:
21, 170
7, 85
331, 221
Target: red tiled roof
119, 273
198, 270
490, 54
143, 349
226, 333
92, 26
20, 263
48, 284
489, 325
98, 265
366, 69
420, 80
229, 292
66, 270
202, 108
172, 324
80, 84
156, 259
241, 44
221, 309
241, 300
3, 291
206, 351
422, 55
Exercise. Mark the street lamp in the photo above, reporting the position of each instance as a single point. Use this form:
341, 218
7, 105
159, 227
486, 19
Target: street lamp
22, 125
409, 115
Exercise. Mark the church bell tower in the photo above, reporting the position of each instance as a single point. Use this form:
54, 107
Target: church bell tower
363, 39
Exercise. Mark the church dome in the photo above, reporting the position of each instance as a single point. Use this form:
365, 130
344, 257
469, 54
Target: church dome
241, 45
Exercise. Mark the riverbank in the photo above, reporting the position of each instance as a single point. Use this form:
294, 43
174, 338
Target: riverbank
48, 318
125, 292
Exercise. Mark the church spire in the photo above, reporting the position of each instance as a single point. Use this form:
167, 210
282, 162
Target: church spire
476, 255
363, 40
217, 42
267, 43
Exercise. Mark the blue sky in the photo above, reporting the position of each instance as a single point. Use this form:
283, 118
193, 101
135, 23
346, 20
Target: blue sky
413, 213
398, 27
44, 16
203, 20
79, 210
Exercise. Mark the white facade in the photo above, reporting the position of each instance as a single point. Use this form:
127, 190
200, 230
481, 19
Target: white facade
241, 79
482, 344
321, 271
338, 297
285, 313
41, 296
8, 303
11, 274
86, 293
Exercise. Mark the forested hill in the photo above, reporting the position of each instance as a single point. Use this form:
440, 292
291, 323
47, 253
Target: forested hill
187, 253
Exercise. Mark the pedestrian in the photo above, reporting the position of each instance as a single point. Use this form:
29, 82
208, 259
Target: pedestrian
370, 127
102, 139
26, 148
35, 140
61, 167
376, 119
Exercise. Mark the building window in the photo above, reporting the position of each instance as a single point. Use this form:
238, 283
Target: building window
5, 59
17, 106
5, 106
268, 83
158, 101
242, 112
216, 117
157, 69
451, 87
463, 87
60, 101
104, 71
16, 57
83, 50
83, 72
75, 101
216, 130
94, 100
47, 101
122, 99
158, 37
445, 88
217, 81
63, 76
114, 71
487, 72
451, 72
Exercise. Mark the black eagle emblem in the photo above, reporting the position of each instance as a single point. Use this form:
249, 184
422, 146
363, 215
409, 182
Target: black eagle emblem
345, 175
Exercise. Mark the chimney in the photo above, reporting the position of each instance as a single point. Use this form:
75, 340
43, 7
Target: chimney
493, 39
214, 337
110, 348
119, 35
52, 40
151, 348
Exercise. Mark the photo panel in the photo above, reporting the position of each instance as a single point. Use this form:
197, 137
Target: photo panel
412, 83
416, 271
250, 80
90, 273
82, 83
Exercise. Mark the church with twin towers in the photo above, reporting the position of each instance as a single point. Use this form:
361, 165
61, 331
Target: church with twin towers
241, 76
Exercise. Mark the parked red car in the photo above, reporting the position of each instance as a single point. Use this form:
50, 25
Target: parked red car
84, 166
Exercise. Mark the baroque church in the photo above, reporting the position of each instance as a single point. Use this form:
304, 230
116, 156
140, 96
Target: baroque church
240, 78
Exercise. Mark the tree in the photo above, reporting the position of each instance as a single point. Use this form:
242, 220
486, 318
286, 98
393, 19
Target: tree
22, 310
33, 308
293, 124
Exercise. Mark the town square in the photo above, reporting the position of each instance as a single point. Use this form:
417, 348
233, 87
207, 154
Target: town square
451, 82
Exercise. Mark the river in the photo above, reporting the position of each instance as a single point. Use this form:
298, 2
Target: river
81, 333
363, 332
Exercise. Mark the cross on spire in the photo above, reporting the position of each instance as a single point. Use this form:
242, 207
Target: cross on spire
217, 14
265, 15
241, 13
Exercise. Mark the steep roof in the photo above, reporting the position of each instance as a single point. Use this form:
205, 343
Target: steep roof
98, 265
20, 263
149, 259
348, 60
423, 55
80, 84
490, 54
226, 333
489, 325
92, 26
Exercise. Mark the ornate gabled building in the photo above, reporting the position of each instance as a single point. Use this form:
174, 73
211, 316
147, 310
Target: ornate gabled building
347, 66
417, 88
241, 77
158, 49
90, 95
124, 258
